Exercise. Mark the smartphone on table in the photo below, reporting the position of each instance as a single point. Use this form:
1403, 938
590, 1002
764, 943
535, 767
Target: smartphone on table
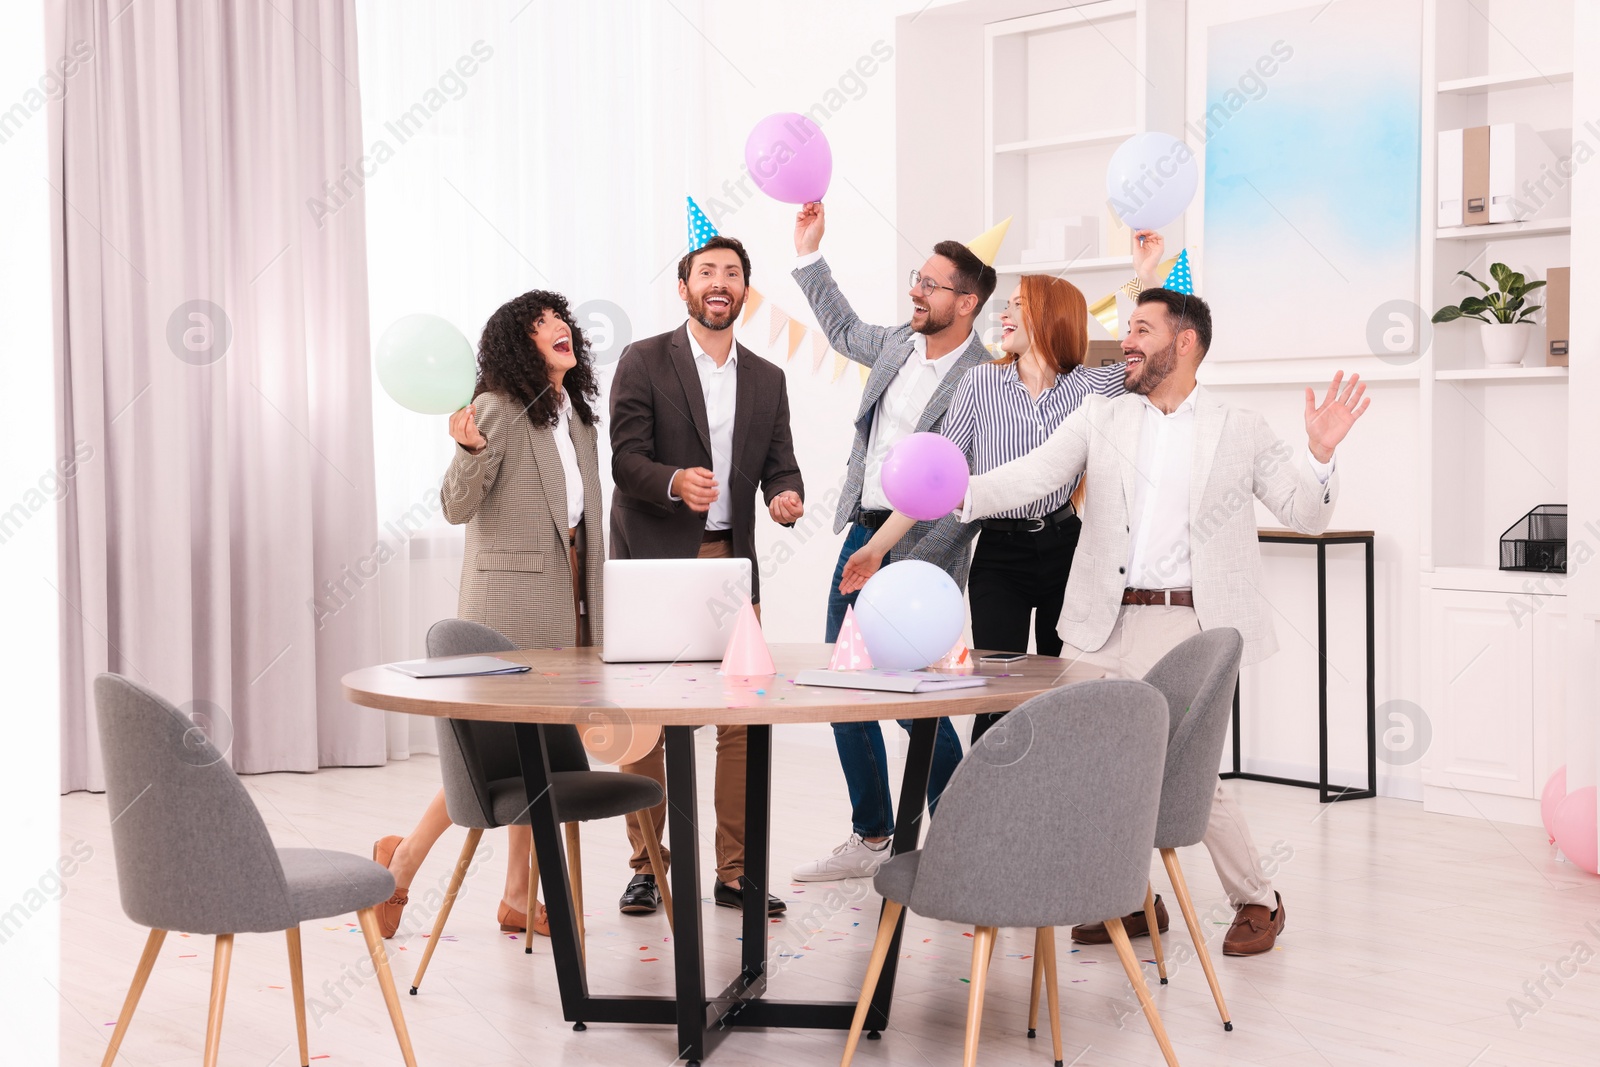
1002, 657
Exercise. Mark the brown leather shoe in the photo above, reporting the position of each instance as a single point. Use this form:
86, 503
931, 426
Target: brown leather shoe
1254, 929
388, 912
1095, 933
515, 922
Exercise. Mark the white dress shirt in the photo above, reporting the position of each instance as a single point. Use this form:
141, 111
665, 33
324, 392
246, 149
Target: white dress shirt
1158, 515
718, 386
569, 460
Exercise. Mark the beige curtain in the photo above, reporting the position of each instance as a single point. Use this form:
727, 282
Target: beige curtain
212, 374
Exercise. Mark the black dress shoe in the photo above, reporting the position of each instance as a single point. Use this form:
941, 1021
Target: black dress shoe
641, 897
728, 897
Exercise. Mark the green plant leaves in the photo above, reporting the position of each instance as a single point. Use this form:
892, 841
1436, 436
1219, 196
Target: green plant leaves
1504, 304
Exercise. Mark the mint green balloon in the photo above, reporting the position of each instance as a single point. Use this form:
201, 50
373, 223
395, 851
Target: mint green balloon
426, 365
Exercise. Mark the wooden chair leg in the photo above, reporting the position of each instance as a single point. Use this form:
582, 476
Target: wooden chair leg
1038, 980
533, 892
462, 863
391, 997
1046, 939
575, 877
1155, 931
982, 949
1180, 889
221, 957
880, 952
652, 845
141, 975
297, 986
1130, 964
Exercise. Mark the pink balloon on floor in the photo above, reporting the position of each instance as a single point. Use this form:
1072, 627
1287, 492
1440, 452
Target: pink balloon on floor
1555, 791
1575, 829
925, 476
789, 158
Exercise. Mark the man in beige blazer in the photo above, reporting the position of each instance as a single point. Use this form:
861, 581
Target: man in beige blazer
699, 427
1169, 544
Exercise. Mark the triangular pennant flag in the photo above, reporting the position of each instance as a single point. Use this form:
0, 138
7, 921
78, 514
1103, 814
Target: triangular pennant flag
987, 244
958, 659
752, 300
1179, 280
866, 372
797, 333
819, 350
1105, 309
839, 364
775, 324
747, 653
850, 650
700, 228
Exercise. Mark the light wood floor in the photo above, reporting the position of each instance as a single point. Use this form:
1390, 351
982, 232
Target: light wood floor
1409, 936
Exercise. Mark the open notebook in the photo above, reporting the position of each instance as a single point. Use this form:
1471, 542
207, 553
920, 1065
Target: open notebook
456, 668
891, 681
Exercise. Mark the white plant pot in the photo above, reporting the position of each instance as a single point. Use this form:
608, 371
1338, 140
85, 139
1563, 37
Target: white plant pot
1504, 343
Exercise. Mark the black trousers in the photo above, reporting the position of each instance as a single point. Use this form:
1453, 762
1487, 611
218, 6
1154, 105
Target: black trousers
1016, 582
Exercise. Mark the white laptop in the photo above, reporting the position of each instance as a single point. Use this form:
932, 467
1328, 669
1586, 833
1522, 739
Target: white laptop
666, 610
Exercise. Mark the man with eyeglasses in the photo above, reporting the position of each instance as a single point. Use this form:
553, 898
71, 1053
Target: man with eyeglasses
914, 370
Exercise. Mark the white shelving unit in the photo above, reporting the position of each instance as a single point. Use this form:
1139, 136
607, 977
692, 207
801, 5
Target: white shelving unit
1495, 443
1062, 89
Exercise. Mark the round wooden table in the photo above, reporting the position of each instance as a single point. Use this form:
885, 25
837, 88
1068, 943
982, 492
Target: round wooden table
572, 685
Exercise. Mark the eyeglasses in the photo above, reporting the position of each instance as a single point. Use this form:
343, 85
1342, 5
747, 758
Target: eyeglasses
919, 284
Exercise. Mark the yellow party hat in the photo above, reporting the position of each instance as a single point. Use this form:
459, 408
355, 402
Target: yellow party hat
987, 244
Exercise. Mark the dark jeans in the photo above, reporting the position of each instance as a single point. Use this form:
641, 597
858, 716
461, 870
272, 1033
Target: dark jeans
1018, 579
860, 744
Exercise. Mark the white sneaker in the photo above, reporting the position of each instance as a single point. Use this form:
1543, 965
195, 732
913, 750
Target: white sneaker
853, 859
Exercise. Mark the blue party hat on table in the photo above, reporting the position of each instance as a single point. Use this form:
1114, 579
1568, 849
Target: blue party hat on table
700, 228
1178, 280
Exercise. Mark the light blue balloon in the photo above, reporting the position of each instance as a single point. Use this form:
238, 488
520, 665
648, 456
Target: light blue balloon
426, 365
1151, 179
910, 614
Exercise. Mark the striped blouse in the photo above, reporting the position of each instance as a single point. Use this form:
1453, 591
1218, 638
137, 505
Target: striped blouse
994, 420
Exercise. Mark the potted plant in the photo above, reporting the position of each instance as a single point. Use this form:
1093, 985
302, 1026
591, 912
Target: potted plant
1503, 311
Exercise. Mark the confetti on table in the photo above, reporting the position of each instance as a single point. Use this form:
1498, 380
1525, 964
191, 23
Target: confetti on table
651, 959
761, 692
188, 956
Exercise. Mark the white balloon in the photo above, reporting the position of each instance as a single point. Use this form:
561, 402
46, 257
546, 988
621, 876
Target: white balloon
1151, 179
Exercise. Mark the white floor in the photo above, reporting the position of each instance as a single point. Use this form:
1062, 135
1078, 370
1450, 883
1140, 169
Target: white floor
1410, 937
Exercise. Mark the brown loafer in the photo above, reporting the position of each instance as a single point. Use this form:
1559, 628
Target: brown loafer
1134, 924
389, 911
1254, 930
515, 922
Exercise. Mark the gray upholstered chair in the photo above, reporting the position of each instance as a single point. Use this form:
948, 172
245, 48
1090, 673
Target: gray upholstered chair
193, 855
1197, 678
483, 786
1084, 760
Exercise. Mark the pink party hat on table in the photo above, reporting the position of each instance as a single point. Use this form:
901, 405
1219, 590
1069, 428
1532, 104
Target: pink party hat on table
747, 651
958, 659
850, 651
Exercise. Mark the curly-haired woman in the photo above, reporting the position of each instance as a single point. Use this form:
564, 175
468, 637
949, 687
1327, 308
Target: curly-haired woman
525, 479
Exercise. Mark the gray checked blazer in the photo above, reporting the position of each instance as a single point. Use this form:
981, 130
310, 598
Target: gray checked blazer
1237, 460
884, 349
516, 576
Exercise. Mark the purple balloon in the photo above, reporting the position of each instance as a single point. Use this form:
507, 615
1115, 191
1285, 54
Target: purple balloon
925, 476
789, 158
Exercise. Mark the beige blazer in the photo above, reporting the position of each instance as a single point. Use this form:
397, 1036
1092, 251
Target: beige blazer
516, 576
1237, 460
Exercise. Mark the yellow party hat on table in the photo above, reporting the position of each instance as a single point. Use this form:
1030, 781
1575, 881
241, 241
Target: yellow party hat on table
987, 244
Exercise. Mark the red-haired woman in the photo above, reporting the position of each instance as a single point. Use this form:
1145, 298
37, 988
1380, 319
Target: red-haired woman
1002, 411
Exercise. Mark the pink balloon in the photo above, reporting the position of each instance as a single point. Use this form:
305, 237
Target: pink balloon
1575, 829
925, 476
1555, 791
789, 158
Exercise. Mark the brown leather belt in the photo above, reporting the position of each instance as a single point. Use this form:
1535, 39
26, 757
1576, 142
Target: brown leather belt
1178, 598
716, 535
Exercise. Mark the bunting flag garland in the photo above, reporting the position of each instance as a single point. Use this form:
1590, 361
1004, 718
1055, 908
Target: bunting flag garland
839, 365
1105, 310
775, 325
700, 228
1179, 280
819, 350
797, 333
752, 301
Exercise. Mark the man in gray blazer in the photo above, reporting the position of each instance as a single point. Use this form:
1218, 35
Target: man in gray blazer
914, 370
698, 424
1169, 544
